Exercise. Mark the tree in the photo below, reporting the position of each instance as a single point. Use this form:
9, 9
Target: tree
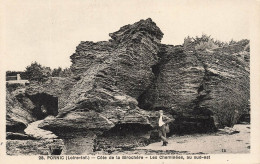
36, 72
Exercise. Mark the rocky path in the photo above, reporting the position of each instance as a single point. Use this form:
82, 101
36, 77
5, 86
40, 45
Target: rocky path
207, 143
33, 130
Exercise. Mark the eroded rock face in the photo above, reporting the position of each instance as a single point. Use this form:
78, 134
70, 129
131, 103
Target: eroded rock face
112, 76
26, 104
19, 111
127, 79
225, 90
178, 77
204, 90
58, 87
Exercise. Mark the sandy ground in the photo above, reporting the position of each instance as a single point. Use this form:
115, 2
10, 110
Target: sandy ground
216, 143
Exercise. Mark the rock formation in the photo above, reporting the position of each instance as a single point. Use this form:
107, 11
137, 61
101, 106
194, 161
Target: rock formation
125, 79
54, 87
112, 75
19, 111
205, 90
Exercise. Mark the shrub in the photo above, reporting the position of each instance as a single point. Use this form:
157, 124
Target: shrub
206, 45
201, 43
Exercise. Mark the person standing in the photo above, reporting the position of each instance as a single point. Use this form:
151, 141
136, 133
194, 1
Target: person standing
162, 128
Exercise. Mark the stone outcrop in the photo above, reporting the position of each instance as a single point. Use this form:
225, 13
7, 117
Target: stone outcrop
205, 90
26, 104
19, 111
56, 87
225, 90
127, 79
112, 75
178, 77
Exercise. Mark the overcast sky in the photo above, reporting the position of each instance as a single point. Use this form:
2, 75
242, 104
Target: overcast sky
48, 31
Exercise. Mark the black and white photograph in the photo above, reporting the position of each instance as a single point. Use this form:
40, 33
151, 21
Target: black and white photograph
163, 81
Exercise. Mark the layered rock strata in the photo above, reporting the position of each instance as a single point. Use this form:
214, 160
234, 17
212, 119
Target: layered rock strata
19, 111
112, 75
127, 79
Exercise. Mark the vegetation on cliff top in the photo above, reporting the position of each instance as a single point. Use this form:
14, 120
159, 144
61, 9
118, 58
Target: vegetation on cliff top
203, 42
37, 72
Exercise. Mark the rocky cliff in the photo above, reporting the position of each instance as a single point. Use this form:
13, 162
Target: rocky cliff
120, 84
124, 80
205, 90
111, 77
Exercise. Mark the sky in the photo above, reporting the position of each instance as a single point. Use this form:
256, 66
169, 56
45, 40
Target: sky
48, 31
